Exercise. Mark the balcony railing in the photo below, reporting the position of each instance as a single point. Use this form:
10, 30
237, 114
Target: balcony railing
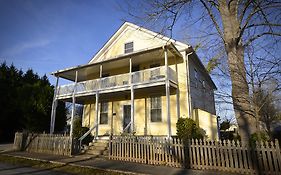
140, 77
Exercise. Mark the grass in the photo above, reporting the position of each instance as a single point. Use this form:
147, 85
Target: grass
54, 167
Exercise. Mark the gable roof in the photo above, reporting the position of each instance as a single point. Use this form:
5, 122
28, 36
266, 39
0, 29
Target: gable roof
123, 28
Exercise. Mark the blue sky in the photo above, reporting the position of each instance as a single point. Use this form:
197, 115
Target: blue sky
48, 35
54, 34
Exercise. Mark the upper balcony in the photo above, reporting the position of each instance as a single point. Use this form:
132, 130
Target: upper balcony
119, 74
139, 79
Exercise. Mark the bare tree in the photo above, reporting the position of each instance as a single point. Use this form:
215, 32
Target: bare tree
265, 82
266, 108
236, 24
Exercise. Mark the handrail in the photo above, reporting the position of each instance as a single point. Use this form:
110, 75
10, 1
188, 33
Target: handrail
142, 76
127, 126
86, 134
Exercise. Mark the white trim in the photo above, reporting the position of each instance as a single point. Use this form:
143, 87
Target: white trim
73, 106
167, 95
177, 93
188, 97
111, 119
126, 26
97, 113
54, 107
100, 71
125, 103
108, 44
149, 109
100, 104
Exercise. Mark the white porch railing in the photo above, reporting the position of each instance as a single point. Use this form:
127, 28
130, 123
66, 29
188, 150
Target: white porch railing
139, 77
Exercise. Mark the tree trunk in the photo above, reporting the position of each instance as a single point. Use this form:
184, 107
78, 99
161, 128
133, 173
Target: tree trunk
235, 54
240, 93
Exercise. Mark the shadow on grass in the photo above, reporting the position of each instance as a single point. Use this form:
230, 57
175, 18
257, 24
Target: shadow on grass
40, 166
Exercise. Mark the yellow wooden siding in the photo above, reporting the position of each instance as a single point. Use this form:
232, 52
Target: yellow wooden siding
141, 41
208, 122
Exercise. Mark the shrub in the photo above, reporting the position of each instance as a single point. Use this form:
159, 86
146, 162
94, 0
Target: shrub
259, 137
187, 129
79, 131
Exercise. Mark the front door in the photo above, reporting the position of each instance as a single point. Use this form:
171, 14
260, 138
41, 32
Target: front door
126, 118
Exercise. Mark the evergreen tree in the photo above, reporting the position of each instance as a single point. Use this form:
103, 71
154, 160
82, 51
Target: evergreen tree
26, 103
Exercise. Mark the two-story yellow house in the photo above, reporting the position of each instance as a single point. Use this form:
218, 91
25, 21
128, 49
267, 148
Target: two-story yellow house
140, 82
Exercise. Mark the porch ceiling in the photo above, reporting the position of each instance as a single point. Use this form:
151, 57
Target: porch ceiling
121, 61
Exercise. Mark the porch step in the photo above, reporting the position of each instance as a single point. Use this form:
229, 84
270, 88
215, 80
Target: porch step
99, 144
97, 147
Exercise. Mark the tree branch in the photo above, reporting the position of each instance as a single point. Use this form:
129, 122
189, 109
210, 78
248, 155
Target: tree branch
256, 9
213, 19
246, 6
260, 35
263, 24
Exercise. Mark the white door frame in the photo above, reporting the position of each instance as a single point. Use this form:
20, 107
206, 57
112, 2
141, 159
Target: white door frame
122, 118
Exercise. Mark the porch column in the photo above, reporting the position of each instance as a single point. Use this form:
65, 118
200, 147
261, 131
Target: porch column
177, 91
100, 71
97, 113
145, 116
97, 105
54, 107
112, 118
132, 99
73, 105
167, 94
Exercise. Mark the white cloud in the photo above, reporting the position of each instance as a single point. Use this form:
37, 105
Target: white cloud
22, 46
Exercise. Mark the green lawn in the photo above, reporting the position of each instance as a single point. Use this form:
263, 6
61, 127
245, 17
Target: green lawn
52, 166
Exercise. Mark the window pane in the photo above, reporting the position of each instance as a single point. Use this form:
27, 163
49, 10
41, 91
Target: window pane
104, 113
155, 109
103, 118
195, 74
104, 107
129, 47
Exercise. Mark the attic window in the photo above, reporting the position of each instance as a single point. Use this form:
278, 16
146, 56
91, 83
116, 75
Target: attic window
129, 47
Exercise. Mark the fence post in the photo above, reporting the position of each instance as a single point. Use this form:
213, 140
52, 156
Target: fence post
110, 147
278, 155
187, 157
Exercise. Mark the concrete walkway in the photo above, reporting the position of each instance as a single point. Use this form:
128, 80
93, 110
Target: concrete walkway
112, 165
6, 147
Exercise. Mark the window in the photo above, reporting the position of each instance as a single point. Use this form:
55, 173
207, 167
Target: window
203, 84
129, 47
195, 74
104, 113
155, 109
196, 78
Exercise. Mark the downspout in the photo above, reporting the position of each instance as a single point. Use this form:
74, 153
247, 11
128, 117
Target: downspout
188, 96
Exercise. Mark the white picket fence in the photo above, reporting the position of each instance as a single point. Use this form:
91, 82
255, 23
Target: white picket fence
149, 150
230, 156
58, 144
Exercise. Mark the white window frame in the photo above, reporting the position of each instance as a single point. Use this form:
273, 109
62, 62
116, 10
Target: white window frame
128, 50
103, 112
157, 108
